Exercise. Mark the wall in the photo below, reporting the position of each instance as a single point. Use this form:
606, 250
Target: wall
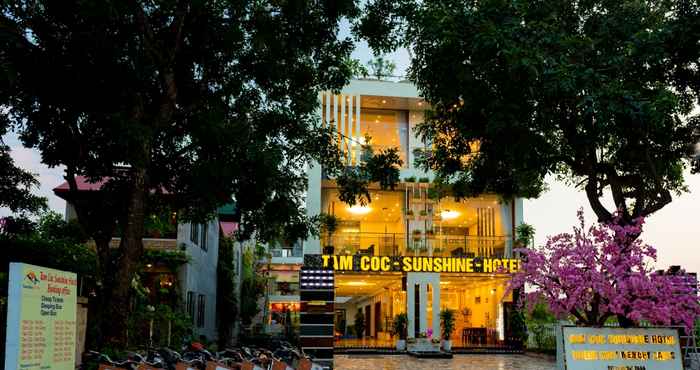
199, 274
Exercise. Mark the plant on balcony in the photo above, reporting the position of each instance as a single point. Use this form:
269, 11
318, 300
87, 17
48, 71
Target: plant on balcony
424, 180
524, 235
328, 224
417, 234
423, 213
411, 179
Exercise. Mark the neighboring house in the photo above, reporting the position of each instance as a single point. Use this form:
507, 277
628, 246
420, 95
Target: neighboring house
408, 221
196, 279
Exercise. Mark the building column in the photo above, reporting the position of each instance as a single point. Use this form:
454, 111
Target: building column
436, 306
410, 305
423, 307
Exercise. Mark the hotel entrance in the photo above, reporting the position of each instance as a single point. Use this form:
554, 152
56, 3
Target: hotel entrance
366, 305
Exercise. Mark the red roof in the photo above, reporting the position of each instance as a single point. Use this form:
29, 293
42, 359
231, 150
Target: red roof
228, 228
83, 185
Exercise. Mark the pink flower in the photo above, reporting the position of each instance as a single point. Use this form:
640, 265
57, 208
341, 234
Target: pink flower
601, 272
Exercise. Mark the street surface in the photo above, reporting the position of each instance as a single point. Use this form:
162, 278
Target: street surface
461, 362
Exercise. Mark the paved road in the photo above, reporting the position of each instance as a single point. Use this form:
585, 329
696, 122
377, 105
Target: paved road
461, 362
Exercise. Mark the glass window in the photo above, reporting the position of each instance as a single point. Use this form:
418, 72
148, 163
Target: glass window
387, 128
203, 242
190, 305
194, 233
200, 310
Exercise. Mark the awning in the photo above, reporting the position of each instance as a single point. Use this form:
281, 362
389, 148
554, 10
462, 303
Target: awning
228, 228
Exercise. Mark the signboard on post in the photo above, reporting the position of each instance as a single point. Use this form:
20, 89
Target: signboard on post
587, 348
41, 318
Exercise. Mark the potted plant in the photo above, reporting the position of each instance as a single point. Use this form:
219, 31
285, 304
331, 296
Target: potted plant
328, 225
411, 179
423, 213
360, 324
424, 180
447, 322
518, 329
400, 328
524, 235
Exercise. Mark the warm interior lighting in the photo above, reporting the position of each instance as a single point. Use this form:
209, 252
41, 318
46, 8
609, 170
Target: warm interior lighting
449, 215
355, 283
359, 210
444, 282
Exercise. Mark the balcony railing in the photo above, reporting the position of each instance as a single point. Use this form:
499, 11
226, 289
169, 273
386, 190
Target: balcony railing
286, 252
148, 243
398, 244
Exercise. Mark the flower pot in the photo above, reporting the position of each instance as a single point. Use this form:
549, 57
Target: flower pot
401, 345
447, 345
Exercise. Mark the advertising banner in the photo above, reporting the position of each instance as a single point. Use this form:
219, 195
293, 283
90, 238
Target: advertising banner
587, 348
41, 315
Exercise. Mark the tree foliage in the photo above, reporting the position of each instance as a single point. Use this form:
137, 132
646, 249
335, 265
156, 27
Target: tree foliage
196, 102
16, 185
597, 92
601, 272
226, 292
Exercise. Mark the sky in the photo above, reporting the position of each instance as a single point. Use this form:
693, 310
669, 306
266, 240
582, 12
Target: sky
674, 230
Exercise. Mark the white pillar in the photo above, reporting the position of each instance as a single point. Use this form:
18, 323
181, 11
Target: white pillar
423, 307
410, 305
358, 135
436, 305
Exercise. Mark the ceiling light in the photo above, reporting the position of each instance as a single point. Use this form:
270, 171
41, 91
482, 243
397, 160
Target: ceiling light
449, 215
383, 101
359, 210
356, 283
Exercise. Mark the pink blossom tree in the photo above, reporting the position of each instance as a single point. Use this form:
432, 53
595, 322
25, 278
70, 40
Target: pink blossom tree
601, 272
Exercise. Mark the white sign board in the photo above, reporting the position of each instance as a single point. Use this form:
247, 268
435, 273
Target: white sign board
41, 310
587, 348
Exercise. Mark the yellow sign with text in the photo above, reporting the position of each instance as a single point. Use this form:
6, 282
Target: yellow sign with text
361, 263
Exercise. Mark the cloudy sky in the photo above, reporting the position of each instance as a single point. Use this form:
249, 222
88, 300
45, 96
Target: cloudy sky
674, 231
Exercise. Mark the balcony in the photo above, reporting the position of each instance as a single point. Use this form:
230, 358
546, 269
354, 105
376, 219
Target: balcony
162, 244
440, 245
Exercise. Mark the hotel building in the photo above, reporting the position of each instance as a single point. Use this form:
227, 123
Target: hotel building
408, 221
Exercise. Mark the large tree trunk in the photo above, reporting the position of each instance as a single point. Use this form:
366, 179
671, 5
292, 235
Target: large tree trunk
131, 249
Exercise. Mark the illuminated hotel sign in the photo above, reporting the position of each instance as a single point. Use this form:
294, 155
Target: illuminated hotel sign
621, 349
360, 263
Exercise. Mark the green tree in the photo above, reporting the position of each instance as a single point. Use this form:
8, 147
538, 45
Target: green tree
596, 92
197, 102
16, 184
226, 299
380, 67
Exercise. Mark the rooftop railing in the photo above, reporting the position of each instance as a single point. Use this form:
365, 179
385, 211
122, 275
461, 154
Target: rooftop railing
399, 244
